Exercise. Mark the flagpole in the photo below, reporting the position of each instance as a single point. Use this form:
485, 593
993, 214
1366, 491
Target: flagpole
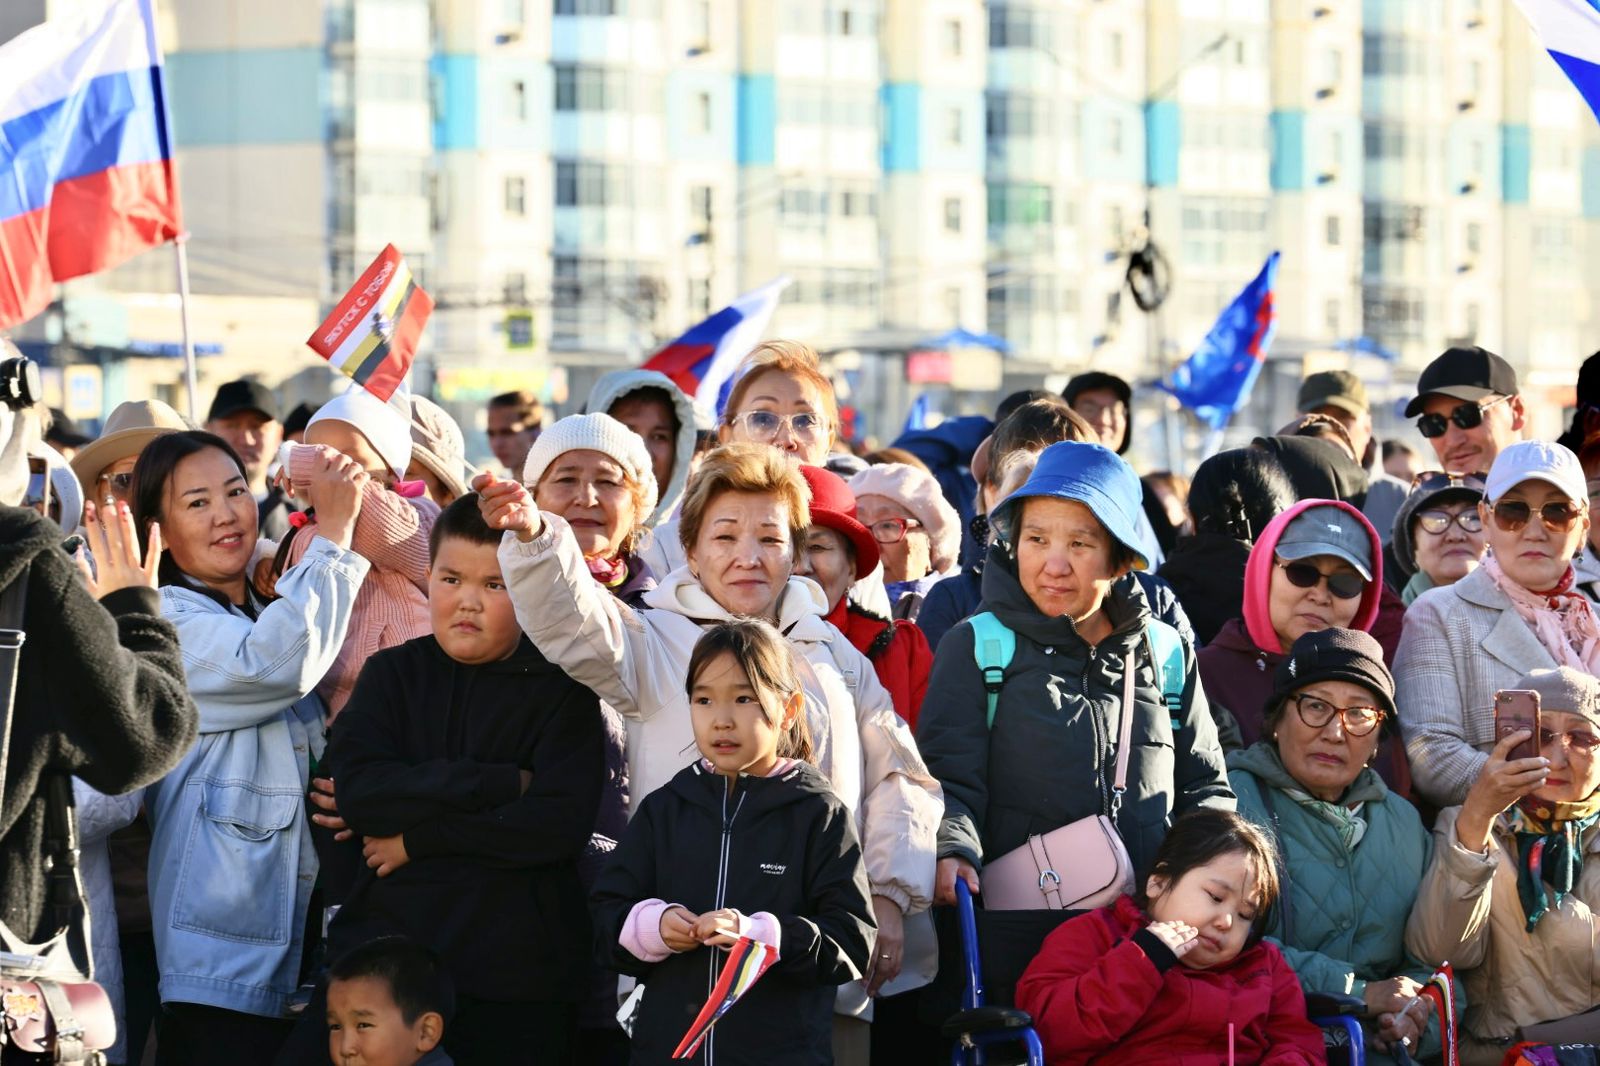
181, 243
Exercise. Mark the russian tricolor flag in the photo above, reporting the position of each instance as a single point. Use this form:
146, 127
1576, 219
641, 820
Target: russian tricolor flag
86, 150
702, 360
1570, 32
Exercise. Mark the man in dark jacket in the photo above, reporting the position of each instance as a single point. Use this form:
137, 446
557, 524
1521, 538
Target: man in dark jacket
472, 767
100, 694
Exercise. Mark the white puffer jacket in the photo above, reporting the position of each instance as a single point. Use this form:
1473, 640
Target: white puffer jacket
636, 661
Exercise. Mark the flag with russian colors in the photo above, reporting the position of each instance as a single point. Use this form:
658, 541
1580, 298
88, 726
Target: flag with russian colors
747, 961
86, 149
1570, 32
1216, 380
703, 360
372, 335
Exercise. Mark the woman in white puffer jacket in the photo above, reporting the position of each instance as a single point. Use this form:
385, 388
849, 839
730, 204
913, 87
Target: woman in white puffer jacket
741, 524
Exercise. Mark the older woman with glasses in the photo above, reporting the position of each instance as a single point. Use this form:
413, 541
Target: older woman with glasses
1516, 612
1438, 533
918, 533
1511, 893
1352, 851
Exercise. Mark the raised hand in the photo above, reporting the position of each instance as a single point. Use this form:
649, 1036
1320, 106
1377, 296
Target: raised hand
507, 504
1499, 784
115, 545
335, 494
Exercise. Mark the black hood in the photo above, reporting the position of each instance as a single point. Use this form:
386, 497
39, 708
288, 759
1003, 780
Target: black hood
24, 535
1126, 605
1206, 572
705, 788
1318, 469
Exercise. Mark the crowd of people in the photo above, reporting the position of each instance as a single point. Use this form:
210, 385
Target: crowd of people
377, 759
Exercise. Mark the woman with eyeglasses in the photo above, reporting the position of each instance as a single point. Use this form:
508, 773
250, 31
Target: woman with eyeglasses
1316, 566
1516, 612
1510, 895
1352, 851
918, 533
1438, 533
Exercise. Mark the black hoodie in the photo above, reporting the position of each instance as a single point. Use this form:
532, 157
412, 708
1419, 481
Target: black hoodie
432, 749
100, 694
785, 845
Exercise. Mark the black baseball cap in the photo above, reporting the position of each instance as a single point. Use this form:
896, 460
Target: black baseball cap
1473, 374
65, 431
243, 395
296, 420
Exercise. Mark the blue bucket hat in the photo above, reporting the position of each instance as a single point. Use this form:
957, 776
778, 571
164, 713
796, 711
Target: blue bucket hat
1094, 476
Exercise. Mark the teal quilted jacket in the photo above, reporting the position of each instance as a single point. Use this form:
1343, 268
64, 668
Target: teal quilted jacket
1345, 919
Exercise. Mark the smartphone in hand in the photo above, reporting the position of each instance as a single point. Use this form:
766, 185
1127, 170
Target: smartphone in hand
1516, 709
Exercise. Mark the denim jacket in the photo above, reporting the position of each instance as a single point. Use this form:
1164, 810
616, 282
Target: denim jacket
231, 861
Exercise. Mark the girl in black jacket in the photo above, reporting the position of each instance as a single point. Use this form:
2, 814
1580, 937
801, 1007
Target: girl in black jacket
747, 841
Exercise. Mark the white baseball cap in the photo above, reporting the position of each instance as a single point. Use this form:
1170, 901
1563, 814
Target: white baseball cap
1537, 460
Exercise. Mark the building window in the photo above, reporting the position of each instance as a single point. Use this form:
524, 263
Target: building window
858, 202
518, 103
700, 204
588, 7
1332, 318
1474, 238
516, 288
515, 12
701, 23
516, 197
586, 87
699, 296
1114, 135
1474, 314
1334, 235
702, 113
952, 305
953, 121
952, 214
1114, 50
952, 37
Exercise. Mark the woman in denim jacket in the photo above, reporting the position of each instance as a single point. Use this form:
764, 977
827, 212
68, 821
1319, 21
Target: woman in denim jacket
231, 863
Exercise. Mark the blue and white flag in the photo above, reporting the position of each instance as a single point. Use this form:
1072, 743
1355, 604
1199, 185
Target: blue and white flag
1570, 32
1216, 380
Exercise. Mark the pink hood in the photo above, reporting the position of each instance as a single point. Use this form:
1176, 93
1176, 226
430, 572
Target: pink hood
1258, 576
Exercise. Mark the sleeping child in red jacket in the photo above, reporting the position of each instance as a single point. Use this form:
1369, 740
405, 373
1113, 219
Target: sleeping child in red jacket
1161, 975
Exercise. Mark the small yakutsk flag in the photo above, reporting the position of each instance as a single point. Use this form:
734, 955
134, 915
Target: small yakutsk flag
372, 335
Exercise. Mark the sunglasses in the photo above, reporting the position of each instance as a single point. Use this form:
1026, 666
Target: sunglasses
1579, 740
1356, 721
120, 482
1558, 517
1437, 522
1466, 416
1343, 584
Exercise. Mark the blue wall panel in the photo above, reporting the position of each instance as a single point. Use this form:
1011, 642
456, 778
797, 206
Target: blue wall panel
255, 96
757, 109
902, 146
1163, 136
1514, 149
1288, 172
1589, 175
455, 96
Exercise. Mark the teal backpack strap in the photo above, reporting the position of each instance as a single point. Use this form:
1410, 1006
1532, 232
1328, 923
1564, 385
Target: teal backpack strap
993, 645
1166, 658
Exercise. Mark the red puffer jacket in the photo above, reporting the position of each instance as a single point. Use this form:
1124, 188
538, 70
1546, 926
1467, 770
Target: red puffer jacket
903, 661
1095, 996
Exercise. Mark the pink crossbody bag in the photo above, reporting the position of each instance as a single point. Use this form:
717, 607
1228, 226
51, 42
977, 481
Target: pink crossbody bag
1081, 866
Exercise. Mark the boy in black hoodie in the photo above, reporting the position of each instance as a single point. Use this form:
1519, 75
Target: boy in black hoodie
471, 767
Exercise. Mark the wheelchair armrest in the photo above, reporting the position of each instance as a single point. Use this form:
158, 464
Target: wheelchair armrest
984, 1020
1333, 1005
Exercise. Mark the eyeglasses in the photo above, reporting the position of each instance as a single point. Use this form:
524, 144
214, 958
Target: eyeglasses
514, 431
1438, 481
893, 530
120, 482
1558, 517
1579, 740
1342, 584
1436, 522
1355, 721
763, 426
1466, 416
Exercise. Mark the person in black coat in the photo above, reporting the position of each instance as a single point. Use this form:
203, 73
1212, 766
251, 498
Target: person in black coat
748, 841
471, 768
100, 691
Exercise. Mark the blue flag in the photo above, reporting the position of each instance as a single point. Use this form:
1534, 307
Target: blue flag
1215, 381
918, 417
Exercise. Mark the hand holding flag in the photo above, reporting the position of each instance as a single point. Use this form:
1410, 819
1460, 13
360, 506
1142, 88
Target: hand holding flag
747, 961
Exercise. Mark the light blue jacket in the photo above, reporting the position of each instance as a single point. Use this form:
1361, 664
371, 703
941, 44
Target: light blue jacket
231, 861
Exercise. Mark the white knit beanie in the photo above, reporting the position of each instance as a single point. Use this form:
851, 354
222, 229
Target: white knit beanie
917, 492
387, 426
597, 432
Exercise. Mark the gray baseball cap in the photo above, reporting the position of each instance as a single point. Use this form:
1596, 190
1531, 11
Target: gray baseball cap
1328, 530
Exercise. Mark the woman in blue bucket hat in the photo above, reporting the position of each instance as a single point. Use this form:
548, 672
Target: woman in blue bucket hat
1041, 754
